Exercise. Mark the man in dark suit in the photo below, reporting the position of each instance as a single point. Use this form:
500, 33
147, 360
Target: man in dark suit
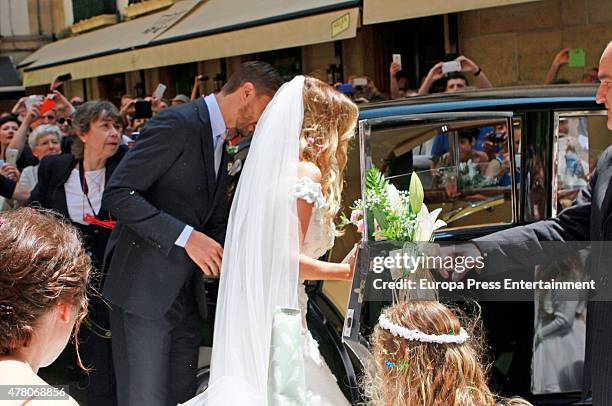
169, 198
589, 219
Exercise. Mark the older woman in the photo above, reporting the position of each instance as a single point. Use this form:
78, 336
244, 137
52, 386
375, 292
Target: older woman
44, 140
44, 273
73, 185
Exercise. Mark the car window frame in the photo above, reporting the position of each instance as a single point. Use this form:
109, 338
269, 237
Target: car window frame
557, 115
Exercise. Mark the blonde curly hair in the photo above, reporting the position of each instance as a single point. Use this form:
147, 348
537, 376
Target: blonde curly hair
413, 373
329, 124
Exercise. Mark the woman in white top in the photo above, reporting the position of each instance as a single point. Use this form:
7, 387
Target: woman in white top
44, 272
44, 140
72, 185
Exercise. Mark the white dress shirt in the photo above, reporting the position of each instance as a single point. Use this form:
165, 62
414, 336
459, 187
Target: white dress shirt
217, 124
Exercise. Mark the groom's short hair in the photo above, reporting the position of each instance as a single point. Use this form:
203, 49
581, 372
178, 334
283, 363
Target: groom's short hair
261, 74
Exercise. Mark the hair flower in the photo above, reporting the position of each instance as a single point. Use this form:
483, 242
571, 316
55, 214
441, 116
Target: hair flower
310, 140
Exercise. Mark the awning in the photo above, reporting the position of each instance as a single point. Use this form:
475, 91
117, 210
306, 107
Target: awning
212, 29
9, 79
380, 11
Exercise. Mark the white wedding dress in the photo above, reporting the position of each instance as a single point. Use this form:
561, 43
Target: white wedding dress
321, 385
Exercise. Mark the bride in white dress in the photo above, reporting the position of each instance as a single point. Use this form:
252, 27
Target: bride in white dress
281, 220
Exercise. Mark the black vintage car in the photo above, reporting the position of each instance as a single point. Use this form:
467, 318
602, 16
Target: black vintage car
491, 159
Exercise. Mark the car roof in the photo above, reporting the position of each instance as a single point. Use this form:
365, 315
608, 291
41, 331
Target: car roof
484, 99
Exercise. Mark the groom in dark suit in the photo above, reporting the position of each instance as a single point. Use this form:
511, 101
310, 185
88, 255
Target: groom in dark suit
589, 219
169, 198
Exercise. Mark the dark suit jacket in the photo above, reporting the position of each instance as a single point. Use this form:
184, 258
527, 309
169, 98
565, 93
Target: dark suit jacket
589, 219
166, 181
49, 193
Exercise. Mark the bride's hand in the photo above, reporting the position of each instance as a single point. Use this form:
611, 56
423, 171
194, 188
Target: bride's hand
205, 252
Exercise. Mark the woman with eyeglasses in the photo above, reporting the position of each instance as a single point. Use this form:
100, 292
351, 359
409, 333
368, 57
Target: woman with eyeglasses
43, 141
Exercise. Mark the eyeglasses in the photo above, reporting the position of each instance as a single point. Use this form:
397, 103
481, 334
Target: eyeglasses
50, 142
63, 121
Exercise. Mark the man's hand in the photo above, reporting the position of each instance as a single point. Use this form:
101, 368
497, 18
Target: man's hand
394, 68
467, 65
19, 105
436, 72
465, 250
562, 58
205, 252
33, 113
62, 102
10, 171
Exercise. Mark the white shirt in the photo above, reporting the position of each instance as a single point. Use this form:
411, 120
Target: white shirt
77, 203
29, 177
217, 124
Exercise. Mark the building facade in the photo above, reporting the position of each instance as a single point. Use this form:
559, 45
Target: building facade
113, 47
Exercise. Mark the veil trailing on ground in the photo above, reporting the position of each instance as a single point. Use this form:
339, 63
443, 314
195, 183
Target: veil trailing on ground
260, 267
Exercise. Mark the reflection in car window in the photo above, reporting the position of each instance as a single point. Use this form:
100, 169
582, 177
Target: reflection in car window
465, 167
580, 140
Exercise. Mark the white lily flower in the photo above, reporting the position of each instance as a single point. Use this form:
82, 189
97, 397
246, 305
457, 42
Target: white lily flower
395, 200
427, 223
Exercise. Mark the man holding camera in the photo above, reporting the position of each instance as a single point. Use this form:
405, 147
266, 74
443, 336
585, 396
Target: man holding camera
453, 71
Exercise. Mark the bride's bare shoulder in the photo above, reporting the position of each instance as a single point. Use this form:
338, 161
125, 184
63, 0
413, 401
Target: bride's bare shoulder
307, 169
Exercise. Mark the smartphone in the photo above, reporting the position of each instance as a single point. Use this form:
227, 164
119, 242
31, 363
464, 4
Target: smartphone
143, 109
360, 82
33, 99
11, 156
47, 104
397, 58
452, 66
64, 78
159, 91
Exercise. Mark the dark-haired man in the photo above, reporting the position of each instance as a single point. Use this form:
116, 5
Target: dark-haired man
169, 198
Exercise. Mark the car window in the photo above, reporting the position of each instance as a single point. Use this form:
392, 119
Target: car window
465, 167
580, 139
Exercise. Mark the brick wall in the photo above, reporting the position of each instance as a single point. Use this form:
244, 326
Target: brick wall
516, 44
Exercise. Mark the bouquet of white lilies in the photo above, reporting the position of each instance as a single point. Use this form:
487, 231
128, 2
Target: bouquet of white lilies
398, 215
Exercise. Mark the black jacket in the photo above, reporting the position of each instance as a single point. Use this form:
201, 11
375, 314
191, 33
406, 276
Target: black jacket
7, 187
589, 220
49, 193
166, 181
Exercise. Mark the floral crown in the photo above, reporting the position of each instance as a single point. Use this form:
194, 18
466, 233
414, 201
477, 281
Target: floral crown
417, 335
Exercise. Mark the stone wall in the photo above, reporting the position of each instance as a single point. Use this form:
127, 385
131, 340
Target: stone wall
516, 44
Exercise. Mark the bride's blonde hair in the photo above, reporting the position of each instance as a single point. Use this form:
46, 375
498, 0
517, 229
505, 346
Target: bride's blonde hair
329, 124
414, 373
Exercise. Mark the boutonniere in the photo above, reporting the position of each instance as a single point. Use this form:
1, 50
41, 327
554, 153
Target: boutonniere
231, 149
